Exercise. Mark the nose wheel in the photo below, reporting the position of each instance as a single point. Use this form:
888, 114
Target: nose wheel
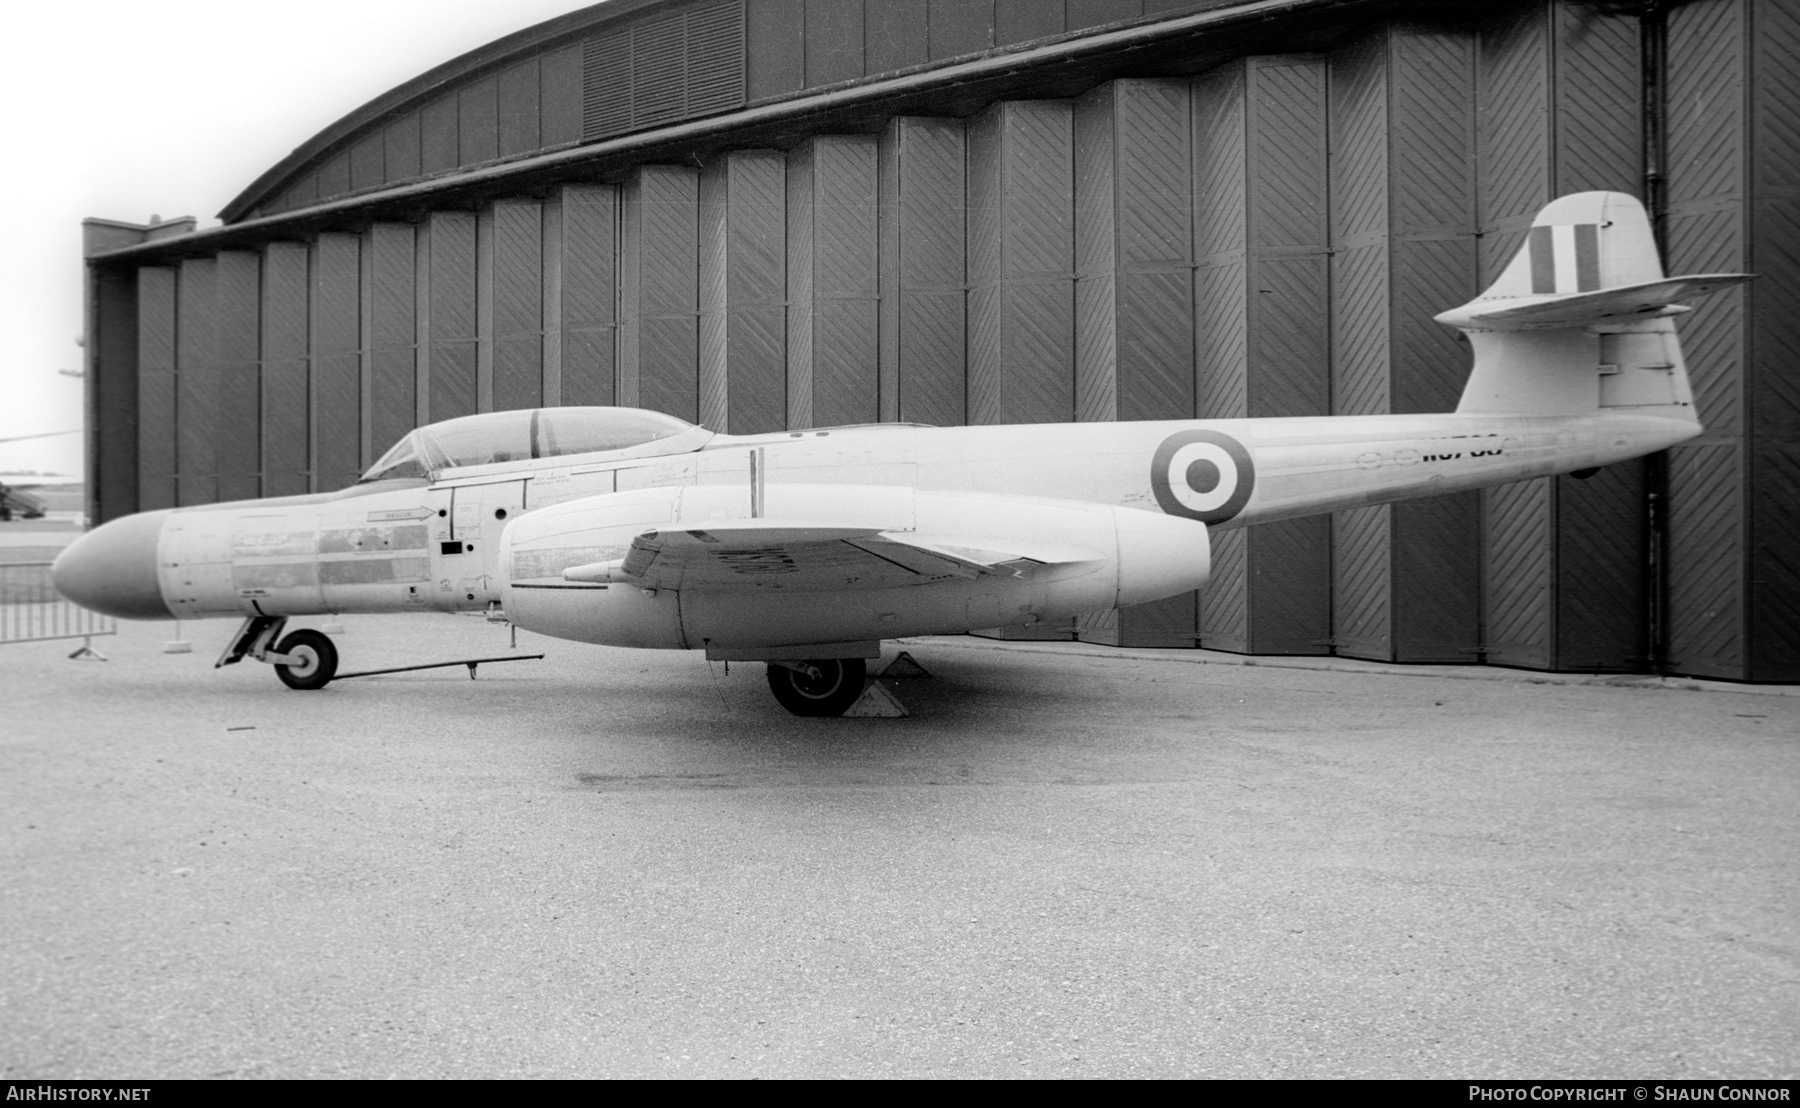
817, 688
312, 660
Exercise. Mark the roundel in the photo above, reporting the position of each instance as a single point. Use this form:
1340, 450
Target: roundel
1202, 475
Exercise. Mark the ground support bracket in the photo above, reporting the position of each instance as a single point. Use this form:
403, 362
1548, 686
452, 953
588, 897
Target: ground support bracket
86, 651
470, 662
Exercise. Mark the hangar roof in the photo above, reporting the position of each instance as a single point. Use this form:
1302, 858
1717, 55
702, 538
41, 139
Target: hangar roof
375, 163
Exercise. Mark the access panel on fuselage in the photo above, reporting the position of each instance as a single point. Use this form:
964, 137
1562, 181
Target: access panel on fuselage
468, 539
559, 483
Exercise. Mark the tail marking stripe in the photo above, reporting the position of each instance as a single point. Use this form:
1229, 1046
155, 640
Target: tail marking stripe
1543, 260
1565, 257
1587, 257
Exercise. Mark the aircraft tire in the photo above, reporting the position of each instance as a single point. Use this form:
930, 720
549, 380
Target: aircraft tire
318, 663
839, 683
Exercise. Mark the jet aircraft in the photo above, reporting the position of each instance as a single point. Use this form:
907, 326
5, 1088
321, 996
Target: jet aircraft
805, 549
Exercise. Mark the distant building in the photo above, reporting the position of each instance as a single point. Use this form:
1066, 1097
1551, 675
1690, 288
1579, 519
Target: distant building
762, 214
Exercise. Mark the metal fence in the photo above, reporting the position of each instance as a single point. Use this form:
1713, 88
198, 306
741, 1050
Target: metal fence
31, 610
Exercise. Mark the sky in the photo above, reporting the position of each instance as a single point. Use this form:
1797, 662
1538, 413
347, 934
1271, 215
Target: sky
124, 110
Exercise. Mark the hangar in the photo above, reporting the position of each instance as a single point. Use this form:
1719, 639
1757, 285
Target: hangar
768, 214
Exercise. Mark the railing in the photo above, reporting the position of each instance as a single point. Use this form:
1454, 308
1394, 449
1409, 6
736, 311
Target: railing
31, 610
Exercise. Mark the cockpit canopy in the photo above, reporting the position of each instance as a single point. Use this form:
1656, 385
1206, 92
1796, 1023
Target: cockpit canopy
521, 435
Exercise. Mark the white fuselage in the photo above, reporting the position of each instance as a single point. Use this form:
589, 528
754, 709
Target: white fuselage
504, 534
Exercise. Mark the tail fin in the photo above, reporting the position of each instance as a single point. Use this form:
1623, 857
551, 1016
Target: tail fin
1582, 318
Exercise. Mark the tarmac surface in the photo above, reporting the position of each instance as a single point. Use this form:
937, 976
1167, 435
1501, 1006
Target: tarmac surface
1069, 861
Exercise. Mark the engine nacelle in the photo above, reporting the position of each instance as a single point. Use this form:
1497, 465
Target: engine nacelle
1062, 558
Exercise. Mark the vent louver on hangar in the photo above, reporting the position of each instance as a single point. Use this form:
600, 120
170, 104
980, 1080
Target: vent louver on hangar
662, 70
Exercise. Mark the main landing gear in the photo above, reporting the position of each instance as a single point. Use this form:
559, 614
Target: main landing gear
825, 687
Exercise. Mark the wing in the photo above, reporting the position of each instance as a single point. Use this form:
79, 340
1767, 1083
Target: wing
756, 553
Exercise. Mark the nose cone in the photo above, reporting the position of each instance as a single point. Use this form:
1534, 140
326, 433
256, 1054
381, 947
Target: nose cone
112, 569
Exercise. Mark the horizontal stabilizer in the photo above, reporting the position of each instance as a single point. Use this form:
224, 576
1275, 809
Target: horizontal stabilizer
1575, 309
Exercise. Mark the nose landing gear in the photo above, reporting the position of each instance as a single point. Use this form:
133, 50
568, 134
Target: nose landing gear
305, 659
311, 663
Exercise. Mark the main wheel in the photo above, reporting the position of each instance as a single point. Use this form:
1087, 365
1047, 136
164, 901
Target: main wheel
315, 660
839, 683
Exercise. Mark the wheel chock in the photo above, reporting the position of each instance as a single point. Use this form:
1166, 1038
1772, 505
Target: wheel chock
905, 666
876, 702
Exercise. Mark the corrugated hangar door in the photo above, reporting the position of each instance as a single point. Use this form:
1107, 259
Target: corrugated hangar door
833, 352
196, 383
156, 388
1734, 160
286, 457
335, 347
743, 292
1134, 304
1021, 274
923, 271
1558, 97
238, 446
659, 338
514, 312
448, 341
1021, 260
390, 309
1262, 345
1405, 577
581, 294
